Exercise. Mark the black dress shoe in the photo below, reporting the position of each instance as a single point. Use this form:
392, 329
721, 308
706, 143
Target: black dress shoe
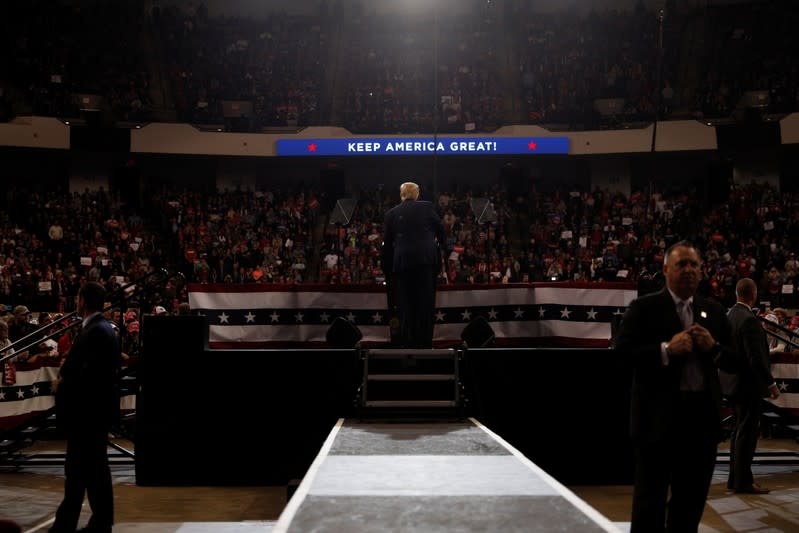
754, 489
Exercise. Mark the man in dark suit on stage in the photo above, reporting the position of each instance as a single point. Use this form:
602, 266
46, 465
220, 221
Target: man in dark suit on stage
754, 382
674, 341
87, 404
413, 233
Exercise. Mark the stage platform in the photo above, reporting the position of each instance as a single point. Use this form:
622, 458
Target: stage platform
545, 402
431, 476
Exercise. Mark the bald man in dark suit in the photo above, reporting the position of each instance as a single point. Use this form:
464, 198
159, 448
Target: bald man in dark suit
413, 235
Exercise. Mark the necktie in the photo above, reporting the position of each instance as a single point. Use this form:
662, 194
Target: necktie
691, 379
685, 312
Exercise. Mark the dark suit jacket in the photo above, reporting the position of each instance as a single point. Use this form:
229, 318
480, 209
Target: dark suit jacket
88, 394
409, 239
751, 343
650, 320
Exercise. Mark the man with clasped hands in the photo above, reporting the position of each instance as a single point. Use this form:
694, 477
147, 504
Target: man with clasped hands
674, 341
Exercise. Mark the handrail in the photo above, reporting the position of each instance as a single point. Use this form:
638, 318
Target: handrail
782, 329
37, 336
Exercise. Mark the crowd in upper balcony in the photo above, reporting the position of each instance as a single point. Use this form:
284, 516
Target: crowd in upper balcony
276, 63
53, 52
473, 69
421, 72
568, 60
750, 47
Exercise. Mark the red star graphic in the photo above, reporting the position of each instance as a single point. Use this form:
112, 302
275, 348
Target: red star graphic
532, 145
312, 147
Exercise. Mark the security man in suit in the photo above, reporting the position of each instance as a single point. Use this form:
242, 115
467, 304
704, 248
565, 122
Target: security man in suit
674, 341
87, 404
754, 382
413, 233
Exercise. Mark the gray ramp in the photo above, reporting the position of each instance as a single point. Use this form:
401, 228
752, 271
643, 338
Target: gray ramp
430, 477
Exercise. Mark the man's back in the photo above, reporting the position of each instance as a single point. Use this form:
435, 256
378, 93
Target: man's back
89, 393
411, 230
750, 342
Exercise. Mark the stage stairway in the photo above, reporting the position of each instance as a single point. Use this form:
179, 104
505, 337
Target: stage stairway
13, 442
774, 423
411, 383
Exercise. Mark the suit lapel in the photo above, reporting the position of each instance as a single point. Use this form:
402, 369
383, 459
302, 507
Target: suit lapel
670, 310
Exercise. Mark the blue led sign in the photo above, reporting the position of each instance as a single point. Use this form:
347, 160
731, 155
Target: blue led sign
373, 146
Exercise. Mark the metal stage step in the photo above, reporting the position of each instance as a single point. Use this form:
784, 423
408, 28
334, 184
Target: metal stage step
422, 383
763, 457
48, 458
416, 353
412, 377
411, 403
